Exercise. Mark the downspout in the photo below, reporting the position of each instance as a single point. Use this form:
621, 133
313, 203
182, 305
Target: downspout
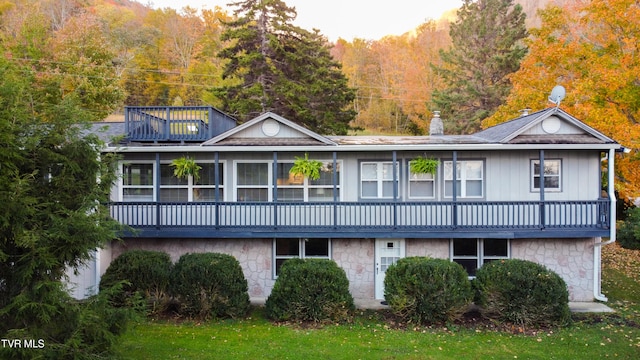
597, 249
96, 263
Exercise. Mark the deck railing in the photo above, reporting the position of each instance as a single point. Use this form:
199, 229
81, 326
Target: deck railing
446, 215
167, 123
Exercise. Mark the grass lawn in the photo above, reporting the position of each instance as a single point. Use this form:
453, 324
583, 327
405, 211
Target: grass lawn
592, 336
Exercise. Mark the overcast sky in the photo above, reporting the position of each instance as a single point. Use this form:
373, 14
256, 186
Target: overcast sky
366, 19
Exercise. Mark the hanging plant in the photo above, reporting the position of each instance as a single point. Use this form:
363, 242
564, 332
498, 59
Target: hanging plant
185, 166
423, 165
306, 167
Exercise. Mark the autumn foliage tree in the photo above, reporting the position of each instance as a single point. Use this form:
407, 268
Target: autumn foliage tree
591, 48
486, 48
392, 77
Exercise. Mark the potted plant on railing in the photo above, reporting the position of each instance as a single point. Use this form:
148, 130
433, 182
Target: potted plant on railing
424, 165
184, 166
309, 168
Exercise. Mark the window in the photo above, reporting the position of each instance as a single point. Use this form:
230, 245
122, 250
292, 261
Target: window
552, 178
285, 249
137, 182
254, 183
174, 189
376, 179
469, 179
472, 254
421, 186
298, 188
204, 189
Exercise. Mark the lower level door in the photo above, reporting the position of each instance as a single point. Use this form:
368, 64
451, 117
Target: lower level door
388, 251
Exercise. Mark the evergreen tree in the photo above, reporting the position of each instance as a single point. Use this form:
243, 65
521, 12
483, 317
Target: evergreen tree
52, 184
486, 48
284, 69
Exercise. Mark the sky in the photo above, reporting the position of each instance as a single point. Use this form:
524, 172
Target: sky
347, 19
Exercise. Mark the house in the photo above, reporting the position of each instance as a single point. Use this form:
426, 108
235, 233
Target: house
529, 188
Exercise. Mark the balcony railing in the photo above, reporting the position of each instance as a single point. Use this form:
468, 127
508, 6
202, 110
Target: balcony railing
169, 123
365, 216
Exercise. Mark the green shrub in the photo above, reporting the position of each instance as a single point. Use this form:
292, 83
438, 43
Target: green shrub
522, 292
310, 290
147, 273
64, 328
425, 290
210, 285
629, 230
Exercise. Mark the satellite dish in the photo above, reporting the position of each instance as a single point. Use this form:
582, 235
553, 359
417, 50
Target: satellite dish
557, 94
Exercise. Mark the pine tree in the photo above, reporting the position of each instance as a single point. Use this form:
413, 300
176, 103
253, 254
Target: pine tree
282, 68
53, 184
486, 48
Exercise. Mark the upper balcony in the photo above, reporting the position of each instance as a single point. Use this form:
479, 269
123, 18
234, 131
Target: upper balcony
447, 219
175, 124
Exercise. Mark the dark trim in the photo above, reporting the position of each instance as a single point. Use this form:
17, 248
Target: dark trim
387, 232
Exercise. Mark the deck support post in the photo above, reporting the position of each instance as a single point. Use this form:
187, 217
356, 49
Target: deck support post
542, 210
275, 189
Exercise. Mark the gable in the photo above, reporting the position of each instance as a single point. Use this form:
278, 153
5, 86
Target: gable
553, 125
269, 129
549, 126
555, 130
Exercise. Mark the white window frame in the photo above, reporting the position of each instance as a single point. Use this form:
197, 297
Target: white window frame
190, 185
268, 185
306, 185
301, 251
532, 165
414, 178
464, 178
479, 257
121, 182
379, 179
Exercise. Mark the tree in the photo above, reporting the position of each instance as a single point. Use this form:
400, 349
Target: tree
52, 184
82, 67
486, 48
392, 77
590, 48
282, 68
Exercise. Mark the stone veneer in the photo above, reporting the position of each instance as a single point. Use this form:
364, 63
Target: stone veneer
572, 259
254, 256
357, 258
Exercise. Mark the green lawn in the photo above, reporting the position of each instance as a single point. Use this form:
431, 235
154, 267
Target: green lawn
592, 336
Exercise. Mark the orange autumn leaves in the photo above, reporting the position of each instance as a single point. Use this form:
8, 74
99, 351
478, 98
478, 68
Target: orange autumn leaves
592, 49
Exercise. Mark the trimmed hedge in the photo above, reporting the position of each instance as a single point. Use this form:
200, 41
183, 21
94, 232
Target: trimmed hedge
147, 273
210, 285
522, 292
426, 290
310, 290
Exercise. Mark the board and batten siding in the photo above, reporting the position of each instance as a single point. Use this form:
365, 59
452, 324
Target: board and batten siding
507, 174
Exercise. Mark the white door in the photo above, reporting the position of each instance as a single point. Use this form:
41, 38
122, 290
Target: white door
388, 251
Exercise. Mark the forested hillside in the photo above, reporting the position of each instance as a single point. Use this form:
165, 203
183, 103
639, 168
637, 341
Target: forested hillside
115, 52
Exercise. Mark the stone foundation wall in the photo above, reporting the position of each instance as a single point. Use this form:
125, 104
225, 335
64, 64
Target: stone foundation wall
434, 248
254, 256
572, 259
357, 258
